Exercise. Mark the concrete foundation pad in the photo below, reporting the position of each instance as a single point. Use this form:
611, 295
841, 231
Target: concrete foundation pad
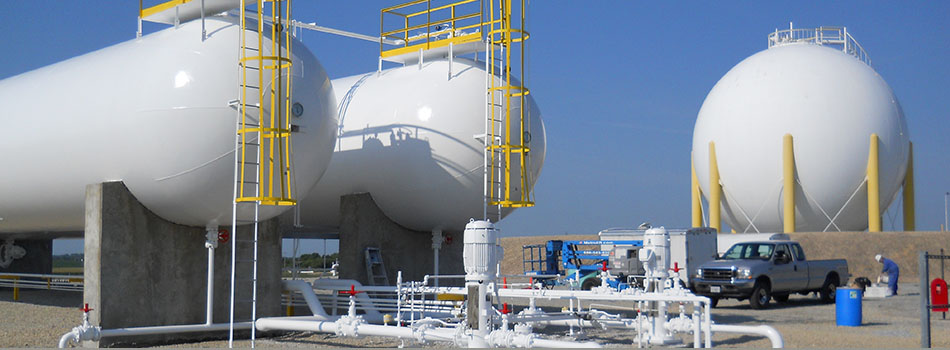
364, 225
141, 270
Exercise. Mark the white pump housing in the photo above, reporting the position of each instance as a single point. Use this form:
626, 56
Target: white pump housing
481, 251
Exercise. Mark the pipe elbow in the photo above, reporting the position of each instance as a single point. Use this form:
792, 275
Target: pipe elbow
68, 339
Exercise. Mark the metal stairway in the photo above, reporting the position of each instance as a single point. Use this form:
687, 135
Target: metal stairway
262, 173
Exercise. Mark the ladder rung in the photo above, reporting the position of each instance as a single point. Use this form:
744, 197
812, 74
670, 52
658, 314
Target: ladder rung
251, 163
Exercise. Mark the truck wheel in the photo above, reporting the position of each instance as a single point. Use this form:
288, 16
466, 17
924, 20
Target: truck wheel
590, 283
761, 294
828, 289
782, 298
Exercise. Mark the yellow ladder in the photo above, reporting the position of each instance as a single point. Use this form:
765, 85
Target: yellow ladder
262, 156
507, 150
264, 127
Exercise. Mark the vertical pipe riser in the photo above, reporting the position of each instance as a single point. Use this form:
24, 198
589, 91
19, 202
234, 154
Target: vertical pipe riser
788, 170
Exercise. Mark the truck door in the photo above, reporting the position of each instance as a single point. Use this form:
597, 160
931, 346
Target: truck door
783, 271
801, 266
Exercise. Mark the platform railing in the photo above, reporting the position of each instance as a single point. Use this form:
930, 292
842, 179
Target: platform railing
825, 36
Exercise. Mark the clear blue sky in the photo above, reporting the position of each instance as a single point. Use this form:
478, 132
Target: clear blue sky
619, 84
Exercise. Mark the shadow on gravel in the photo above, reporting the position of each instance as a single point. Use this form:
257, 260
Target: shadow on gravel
738, 340
791, 303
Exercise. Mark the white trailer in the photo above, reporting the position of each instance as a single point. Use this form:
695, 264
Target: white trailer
689, 248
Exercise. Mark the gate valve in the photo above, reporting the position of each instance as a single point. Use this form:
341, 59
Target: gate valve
352, 293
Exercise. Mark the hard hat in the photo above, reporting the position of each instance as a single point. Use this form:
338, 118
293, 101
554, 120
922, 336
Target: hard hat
878, 257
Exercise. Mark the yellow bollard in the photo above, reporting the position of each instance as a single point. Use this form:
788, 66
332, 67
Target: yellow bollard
874, 187
696, 196
909, 217
715, 189
788, 190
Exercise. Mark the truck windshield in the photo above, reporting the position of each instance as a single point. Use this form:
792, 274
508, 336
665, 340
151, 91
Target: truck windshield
749, 251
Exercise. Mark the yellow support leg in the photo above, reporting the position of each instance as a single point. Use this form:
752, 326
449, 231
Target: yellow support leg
788, 190
909, 219
16, 288
696, 193
715, 189
874, 187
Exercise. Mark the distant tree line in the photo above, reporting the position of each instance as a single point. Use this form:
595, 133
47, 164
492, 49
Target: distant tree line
312, 261
68, 260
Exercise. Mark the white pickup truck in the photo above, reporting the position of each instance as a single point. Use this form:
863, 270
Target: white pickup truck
764, 270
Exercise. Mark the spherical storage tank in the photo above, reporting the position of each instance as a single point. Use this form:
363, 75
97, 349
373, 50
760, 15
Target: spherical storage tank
154, 113
408, 137
830, 102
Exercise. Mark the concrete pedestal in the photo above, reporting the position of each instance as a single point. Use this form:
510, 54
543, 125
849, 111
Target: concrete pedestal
364, 225
141, 270
38, 258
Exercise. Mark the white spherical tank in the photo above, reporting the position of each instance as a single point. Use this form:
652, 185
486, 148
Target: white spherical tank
408, 137
831, 103
152, 112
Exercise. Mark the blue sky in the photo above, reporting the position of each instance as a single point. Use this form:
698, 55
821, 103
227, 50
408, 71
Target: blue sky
619, 84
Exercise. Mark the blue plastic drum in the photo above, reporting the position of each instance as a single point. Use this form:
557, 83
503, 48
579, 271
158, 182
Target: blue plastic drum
848, 307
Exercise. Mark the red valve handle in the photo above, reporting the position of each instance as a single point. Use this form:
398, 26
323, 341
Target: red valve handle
604, 268
223, 236
85, 308
351, 292
676, 267
504, 309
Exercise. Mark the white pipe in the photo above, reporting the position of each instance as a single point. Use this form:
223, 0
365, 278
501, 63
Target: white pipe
209, 307
186, 328
87, 332
424, 333
774, 336
372, 313
309, 296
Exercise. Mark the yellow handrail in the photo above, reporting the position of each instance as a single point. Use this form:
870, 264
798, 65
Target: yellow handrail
145, 12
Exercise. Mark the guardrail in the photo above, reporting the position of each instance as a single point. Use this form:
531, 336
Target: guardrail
73, 283
420, 24
825, 36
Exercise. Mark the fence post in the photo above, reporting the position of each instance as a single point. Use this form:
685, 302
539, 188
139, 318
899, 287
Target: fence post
924, 300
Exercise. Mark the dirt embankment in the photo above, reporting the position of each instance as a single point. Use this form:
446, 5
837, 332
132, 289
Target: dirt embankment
858, 248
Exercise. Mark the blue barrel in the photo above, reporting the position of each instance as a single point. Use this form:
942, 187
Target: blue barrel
848, 307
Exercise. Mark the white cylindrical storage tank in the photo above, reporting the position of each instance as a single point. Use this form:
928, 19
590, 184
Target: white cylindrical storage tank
830, 102
154, 113
408, 137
